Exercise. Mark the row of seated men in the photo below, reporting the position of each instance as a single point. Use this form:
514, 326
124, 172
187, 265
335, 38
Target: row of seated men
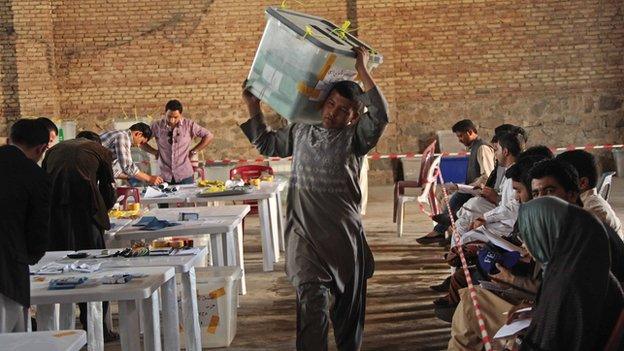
537, 235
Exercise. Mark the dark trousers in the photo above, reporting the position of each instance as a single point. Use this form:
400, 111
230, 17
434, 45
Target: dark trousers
456, 201
314, 312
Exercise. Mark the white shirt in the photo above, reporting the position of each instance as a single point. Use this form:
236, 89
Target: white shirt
507, 209
595, 204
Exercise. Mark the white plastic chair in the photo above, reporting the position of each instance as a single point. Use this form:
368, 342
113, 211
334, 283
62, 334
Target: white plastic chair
427, 196
604, 185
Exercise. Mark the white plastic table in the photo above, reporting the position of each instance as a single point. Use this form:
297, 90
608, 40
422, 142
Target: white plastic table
63, 340
143, 289
222, 223
269, 211
183, 264
117, 224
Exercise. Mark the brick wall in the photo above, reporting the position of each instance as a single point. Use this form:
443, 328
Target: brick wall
555, 67
9, 102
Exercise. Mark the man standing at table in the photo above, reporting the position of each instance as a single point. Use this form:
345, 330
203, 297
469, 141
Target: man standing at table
120, 142
24, 223
82, 194
174, 135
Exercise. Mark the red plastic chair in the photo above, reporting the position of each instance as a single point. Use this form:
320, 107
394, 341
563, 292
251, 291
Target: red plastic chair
250, 172
127, 192
400, 186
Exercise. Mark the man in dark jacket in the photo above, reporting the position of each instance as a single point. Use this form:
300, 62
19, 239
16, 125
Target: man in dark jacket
24, 223
82, 194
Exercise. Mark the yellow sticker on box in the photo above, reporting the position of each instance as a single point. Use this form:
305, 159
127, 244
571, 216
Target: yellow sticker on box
217, 293
214, 323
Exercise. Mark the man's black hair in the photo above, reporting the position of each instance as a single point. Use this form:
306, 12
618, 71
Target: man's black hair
350, 90
464, 126
562, 172
174, 105
520, 171
538, 150
509, 128
87, 134
513, 142
143, 128
50, 126
584, 163
29, 132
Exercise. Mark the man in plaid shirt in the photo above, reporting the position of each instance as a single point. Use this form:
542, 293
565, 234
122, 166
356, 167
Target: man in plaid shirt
119, 143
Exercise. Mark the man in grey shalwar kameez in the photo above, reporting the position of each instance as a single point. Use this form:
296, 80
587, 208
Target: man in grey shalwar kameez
327, 253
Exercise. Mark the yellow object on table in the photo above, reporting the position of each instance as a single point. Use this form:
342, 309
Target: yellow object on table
267, 178
210, 183
159, 244
255, 182
174, 243
125, 214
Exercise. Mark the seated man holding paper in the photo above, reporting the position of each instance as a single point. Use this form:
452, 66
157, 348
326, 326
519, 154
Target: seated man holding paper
585, 165
485, 197
480, 165
500, 220
489, 195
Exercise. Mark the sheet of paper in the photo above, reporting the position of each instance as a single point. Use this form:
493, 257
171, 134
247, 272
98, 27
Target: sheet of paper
491, 286
512, 329
151, 193
502, 243
526, 309
272, 76
468, 189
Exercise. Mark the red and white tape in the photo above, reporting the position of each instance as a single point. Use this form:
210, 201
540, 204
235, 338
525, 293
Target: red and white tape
378, 156
485, 338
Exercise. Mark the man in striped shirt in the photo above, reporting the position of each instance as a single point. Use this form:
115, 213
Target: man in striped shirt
119, 143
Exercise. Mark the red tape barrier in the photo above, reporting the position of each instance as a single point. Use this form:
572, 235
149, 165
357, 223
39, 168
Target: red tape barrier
485, 338
378, 156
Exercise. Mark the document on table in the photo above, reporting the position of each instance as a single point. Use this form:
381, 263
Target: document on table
151, 193
513, 328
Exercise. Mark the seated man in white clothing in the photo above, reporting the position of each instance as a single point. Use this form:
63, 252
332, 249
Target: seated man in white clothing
490, 191
499, 220
585, 165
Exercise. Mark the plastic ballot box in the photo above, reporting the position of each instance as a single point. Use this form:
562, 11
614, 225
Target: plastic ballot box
299, 58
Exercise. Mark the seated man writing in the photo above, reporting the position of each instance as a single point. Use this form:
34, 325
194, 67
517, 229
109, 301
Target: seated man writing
500, 220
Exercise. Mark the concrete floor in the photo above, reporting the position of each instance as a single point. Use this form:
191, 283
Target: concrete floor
399, 308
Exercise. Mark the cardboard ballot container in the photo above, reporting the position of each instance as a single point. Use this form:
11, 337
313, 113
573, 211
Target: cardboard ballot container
298, 59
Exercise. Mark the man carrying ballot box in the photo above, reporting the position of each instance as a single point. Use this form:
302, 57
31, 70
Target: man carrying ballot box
327, 253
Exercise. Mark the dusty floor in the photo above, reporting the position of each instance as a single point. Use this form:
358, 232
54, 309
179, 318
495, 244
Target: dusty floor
399, 309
